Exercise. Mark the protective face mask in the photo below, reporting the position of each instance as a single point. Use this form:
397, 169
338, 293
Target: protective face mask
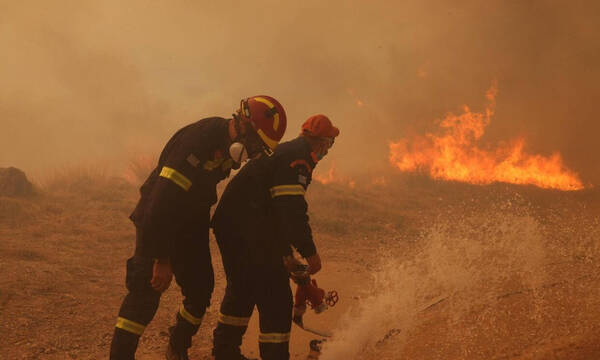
325, 148
322, 152
238, 152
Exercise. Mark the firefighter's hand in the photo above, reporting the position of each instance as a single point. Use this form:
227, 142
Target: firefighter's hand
314, 263
162, 274
291, 263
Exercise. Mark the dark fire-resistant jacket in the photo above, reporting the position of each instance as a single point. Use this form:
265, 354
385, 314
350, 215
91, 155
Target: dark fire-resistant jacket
264, 204
177, 196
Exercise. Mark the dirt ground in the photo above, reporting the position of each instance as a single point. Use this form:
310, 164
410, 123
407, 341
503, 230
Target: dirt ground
424, 270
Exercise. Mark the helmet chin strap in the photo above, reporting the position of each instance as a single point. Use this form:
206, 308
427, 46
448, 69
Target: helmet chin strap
237, 124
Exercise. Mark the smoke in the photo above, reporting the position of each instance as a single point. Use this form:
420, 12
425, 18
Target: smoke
464, 264
87, 80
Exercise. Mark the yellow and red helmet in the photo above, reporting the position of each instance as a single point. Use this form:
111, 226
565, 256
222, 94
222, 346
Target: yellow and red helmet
267, 116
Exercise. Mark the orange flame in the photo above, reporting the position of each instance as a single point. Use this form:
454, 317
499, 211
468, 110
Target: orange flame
326, 179
453, 154
333, 177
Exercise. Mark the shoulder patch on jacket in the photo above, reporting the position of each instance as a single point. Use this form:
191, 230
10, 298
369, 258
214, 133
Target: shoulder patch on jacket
193, 160
302, 179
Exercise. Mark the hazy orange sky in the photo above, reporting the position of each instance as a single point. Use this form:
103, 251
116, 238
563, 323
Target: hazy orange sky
84, 81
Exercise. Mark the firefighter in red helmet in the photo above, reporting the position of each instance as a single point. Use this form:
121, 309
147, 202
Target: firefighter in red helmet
172, 220
262, 214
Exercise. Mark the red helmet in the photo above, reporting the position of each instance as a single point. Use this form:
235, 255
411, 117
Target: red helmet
320, 126
266, 116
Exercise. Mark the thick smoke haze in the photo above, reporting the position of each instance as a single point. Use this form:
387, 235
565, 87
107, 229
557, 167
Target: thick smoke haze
83, 81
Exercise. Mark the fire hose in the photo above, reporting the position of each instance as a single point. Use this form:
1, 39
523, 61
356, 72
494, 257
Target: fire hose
307, 294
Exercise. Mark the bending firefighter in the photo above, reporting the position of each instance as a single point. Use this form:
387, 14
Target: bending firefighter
261, 213
172, 220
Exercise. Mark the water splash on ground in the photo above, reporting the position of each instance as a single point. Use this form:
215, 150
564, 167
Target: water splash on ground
464, 261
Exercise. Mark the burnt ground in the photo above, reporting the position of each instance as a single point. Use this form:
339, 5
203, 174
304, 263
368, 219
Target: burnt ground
425, 270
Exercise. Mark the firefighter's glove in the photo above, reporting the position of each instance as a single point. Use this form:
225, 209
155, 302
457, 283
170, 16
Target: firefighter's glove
314, 263
162, 274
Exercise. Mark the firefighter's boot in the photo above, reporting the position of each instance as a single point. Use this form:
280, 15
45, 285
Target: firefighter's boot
242, 357
175, 354
124, 345
180, 339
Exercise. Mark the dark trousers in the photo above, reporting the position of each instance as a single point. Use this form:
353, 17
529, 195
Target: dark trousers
192, 268
249, 283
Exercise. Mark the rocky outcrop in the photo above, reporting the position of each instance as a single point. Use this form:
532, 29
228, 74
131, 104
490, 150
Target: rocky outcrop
14, 183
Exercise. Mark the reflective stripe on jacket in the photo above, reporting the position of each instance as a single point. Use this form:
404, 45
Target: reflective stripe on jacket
182, 187
264, 203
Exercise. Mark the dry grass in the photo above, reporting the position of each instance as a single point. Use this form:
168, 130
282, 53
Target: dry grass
57, 255
62, 252
139, 167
